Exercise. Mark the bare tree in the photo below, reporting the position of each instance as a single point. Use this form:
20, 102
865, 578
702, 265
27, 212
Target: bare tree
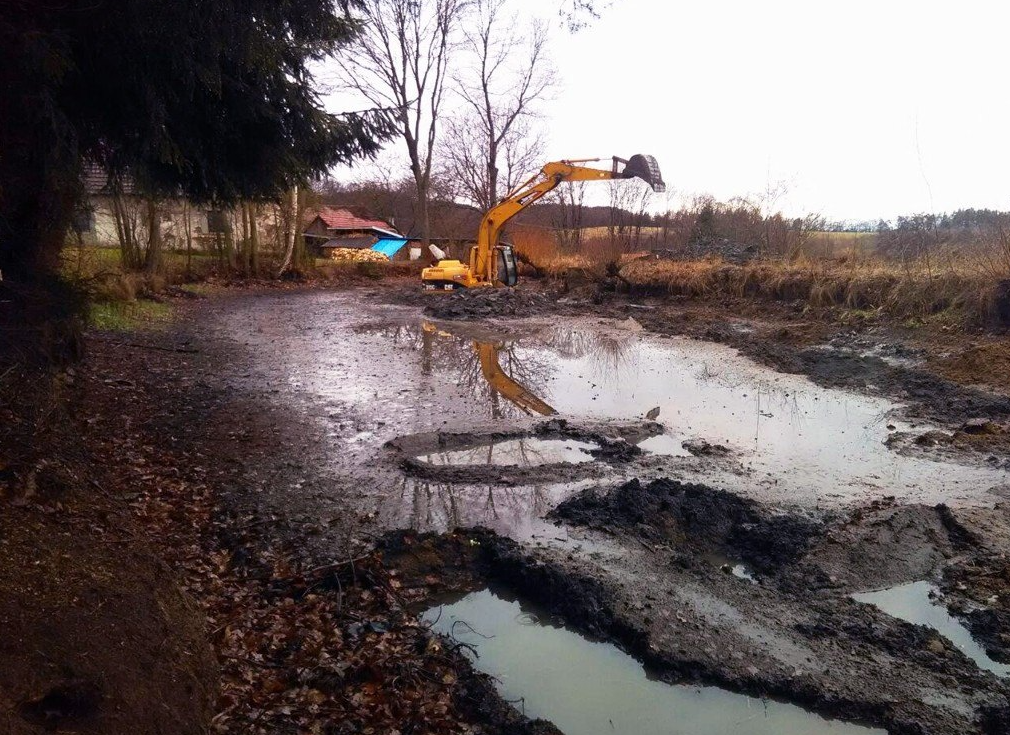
640, 215
570, 201
400, 61
491, 144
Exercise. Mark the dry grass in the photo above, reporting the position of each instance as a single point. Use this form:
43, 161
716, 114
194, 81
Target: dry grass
966, 292
964, 289
540, 248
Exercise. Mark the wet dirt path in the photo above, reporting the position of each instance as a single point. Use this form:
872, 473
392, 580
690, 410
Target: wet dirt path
356, 418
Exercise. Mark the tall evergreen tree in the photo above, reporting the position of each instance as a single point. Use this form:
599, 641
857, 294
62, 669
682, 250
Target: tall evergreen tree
213, 99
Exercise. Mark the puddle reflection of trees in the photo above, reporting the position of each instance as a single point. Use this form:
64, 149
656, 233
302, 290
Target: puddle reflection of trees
529, 361
607, 355
523, 452
431, 506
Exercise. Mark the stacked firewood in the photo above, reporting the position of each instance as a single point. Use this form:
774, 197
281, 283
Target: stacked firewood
358, 255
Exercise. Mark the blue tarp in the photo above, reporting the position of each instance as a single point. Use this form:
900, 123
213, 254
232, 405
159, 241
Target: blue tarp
389, 246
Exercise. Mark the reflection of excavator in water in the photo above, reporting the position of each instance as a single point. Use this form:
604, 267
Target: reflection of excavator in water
492, 263
515, 392
498, 379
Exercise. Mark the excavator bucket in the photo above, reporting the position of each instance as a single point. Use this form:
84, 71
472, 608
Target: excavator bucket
645, 167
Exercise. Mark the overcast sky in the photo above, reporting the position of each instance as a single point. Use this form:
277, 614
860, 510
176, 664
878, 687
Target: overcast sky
864, 109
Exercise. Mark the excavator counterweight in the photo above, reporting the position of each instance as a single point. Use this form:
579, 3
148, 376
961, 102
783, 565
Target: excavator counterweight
492, 263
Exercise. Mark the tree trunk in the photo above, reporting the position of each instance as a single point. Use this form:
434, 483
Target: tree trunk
422, 217
302, 258
153, 260
492, 176
254, 240
289, 249
229, 245
188, 225
40, 190
244, 255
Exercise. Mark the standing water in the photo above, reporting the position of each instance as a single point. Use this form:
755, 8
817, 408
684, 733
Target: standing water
525, 452
912, 603
591, 688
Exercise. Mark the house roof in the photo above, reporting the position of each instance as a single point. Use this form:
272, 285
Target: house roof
340, 218
96, 180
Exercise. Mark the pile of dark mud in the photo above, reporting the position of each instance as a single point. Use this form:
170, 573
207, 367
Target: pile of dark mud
480, 303
696, 517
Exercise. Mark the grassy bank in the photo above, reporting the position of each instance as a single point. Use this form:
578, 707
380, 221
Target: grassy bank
120, 299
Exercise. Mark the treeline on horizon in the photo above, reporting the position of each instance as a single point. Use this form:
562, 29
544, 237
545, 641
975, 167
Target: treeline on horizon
566, 210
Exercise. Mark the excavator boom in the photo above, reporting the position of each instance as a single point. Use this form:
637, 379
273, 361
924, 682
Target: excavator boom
481, 269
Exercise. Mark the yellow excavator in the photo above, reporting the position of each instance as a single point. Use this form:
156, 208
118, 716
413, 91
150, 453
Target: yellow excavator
493, 263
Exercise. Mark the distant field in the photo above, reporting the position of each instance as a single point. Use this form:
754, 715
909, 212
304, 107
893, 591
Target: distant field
849, 236
591, 232
830, 244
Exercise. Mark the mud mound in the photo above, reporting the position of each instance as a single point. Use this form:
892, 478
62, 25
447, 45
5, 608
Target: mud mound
669, 511
882, 545
480, 303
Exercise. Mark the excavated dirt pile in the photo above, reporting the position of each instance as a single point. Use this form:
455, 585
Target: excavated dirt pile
693, 516
492, 303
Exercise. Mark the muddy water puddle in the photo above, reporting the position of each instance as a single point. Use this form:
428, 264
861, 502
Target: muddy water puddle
794, 441
515, 511
386, 372
914, 603
525, 452
588, 687
664, 444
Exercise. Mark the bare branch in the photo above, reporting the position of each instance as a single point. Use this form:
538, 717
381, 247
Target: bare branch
400, 59
492, 143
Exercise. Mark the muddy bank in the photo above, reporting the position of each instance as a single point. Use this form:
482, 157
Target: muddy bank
97, 627
681, 622
96, 631
694, 518
481, 303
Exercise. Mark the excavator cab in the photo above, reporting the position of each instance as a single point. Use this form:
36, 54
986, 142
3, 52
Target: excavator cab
508, 273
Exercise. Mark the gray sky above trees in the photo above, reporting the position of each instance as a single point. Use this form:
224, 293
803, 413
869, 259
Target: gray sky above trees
862, 109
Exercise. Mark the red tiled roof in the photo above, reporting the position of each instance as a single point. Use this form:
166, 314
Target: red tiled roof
337, 218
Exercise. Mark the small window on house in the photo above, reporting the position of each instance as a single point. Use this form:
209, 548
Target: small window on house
84, 221
217, 221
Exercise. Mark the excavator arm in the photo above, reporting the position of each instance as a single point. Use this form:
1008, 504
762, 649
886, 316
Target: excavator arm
481, 269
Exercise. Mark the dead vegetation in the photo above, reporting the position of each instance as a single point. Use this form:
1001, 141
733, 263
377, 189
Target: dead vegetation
964, 294
965, 290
